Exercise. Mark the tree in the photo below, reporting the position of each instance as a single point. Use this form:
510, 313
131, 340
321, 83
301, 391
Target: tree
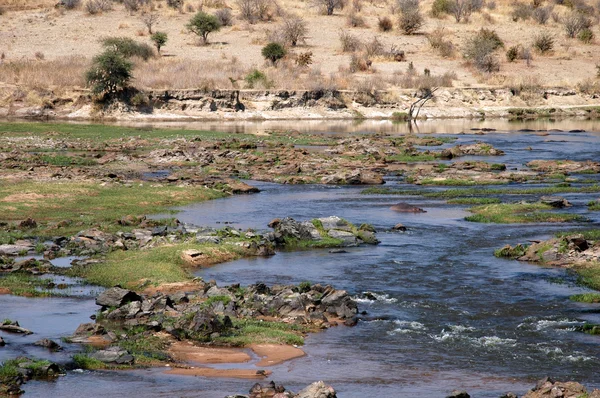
159, 39
329, 5
273, 52
149, 19
410, 19
202, 24
293, 30
110, 72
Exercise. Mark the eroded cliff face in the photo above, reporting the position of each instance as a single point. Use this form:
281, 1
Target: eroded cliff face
300, 104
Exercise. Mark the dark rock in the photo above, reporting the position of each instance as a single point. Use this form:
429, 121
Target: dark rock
47, 343
578, 242
115, 355
555, 201
458, 394
337, 251
29, 223
407, 208
88, 329
14, 327
2, 343
116, 297
399, 227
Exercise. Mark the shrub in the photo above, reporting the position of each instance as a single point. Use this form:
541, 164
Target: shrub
131, 5
512, 53
461, 9
543, 42
128, 47
71, 4
521, 11
257, 10
293, 30
349, 42
176, 4
224, 16
541, 15
385, 24
97, 6
149, 19
440, 8
202, 24
575, 23
438, 42
374, 48
159, 39
110, 72
354, 20
273, 52
329, 6
304, 59
255, 77
480, 49
586, 35
359, 62
410, 19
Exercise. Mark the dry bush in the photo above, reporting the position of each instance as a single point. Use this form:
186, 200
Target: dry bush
355, 20
575, 22
175, 4
480, 48
543, 42
293, 30
541, 15
253, 11
304, 59
441, 8
521, 11
410, 19
385, 24
368, 85
224, 16
359, 62
357, 5
71, 4
461, 10
589, 87
327, 7
519, 52
349, 42
412, 79
98, 6
64, 72
149, 19
437, 41
374, 48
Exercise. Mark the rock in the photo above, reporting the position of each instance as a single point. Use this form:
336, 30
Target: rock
399, 227
334, 222
2, 343
368, 237
577, 242
193, 257
14, 327
269, 390
47, 343
548, 388
347, 238
555, 201
317, 390
339, 303
240, 187
208, 239
29, 223
355, 177
407, 208
116, 297
337, 251
115, 355
15, 249
509, 395
458, 394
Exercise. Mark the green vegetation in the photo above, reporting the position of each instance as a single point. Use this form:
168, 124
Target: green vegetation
594, 205
252, 331
202, 24
20, 284
586, 298
473, 201
127, 47
110, 73
590, 234
159, 39
399, 116
84, 361
255, 77
590, 328
511, 252
458, 182
273, 52
145, 347
505, 213
410, 157
62, 160
217, 299
10, 368
589, 275
92, 204
455, 193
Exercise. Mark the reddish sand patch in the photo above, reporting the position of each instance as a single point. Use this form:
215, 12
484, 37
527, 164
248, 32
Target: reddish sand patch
171, 288
4, 290
231, 373
188, 352
274, 354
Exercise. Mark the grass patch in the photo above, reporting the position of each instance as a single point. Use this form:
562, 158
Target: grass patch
455, 193
589, 275
590, 234
251, 331
458, 182
146, 349
84, 361
92, 204
407, 157
518, 213
21, 284
511, 252
473, 201
586, 298
62, 160
594, 205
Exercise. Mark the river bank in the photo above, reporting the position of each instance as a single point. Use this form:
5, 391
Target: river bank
516, 103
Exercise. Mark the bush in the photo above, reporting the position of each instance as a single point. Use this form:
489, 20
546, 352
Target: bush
304, 59
97, 6
385, 24
440, 8
131, 5
521, 11
575, 23
541, 15
543, 42
586, 35
273, 52
293, 30
374, 48
480, 49
410, 19
461, 9
255, 77
359, 62
349, 42
159, 39
354, 20
71, 4
512, 54
438, 42
176, 4
202, 24
329, 6
224, 16
128, 47
149, 19
110, 73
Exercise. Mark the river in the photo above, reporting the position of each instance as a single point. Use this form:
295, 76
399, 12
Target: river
450, 315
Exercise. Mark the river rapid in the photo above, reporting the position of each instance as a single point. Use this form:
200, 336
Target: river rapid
448, 314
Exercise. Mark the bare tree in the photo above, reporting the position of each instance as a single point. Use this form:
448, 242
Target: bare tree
410, 19
294, 30
150, 19
329, 6
461, 9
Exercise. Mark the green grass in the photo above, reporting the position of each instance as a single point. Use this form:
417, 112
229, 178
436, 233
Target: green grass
217, 299
420, 157
251, 331
8, 370
21, 284
455, 193
92, 204
473, 201
586, 298
594, 205
146, 349
517, 213
62, 160
511, 252
84, 361
458, 182
589, 275
590, 234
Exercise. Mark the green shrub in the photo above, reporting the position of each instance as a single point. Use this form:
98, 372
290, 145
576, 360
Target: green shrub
273, 52
512, 54
543, 42
202, 24
255, 77
110, 73
128, 47
440, 8
159, 39
480, 49
586, 35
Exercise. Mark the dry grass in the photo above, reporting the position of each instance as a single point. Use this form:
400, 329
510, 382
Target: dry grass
18, 5
61, 72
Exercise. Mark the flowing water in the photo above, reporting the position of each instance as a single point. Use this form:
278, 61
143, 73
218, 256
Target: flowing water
449, 314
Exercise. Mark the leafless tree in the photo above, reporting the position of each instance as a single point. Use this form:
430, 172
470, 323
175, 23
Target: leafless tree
294, 30
150, 19
329, 6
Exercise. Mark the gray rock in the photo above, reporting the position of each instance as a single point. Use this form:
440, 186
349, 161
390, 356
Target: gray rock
113, 355
555, 201
347, 238
317, 390
399, 227
52, 345
333, 222
208, 239
116, 297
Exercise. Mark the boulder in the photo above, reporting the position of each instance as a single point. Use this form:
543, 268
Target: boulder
2, 343
347, 238
407, 208
317, 390
193, 257
458, 394
115, 355
555, 201
334, 222
47, 343
399, 227
116, 297
548, 388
